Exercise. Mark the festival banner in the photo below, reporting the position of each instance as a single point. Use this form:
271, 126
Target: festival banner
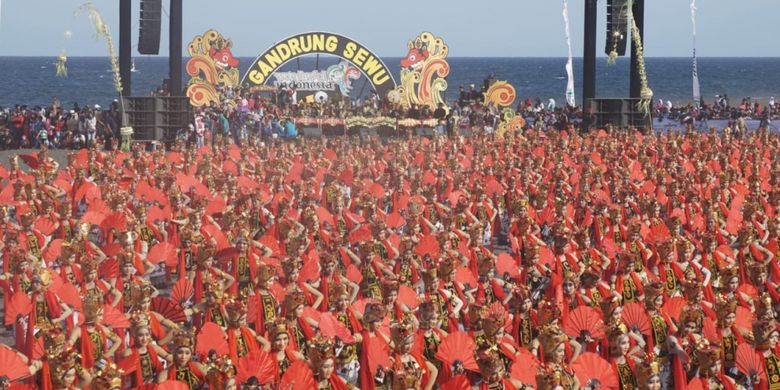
212, 68
357, 60
696, 88
569, 66
423, 73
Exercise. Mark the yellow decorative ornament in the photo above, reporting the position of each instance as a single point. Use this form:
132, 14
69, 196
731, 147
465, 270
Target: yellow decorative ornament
101, 29
211, 64
423, 72
62, 70
646, 94
500, 94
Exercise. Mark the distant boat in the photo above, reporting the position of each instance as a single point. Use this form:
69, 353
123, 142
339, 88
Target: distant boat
132, 68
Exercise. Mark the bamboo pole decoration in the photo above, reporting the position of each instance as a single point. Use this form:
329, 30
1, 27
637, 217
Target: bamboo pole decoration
646, 94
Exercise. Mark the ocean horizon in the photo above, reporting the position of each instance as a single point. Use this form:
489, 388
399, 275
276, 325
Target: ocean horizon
32, 80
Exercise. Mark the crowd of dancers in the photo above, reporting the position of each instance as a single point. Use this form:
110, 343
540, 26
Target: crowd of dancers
631, 261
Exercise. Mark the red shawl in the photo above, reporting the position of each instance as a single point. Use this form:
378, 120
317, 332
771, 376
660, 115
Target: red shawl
87, 349
249, 340
54, 309
139, 380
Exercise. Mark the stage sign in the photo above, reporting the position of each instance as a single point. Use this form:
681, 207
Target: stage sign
423, 73
264, 70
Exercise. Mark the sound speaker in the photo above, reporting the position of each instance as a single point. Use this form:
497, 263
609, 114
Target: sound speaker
149, 34
621, 113
617, 26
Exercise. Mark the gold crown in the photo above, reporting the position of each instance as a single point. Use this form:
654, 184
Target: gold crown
550, 337
216, 287
43, 276
54, 342
89, 263
139, 319
277, 327
61, 364
756, 268
725, 307
608, 305
219, 370
614, 333
183, 338
402, 330
92, 309
430, 276
264, 273
110, 377
27, 218
764, 307
405, 377
446, 266
235, 310
337, 291
548, 311
485, 264
205, 253
548, 378
389, 286
649, 368
489, 361
374, 312
494, 319
652, 292
291, 265
708, 358
319, 349
690, 314
429, 312
292, 300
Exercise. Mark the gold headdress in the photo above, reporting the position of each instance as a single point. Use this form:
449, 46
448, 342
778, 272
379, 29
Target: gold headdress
429, 277
277, 327
614, 333
89, 263
139, 319
548, 311
374, 312
54, 343
648, 369
429, 313
401, 331
43, 276
61, 364
405, 378
264, 273
219, 370
727, 274
724, 308
609, 305
389, 286
292, 300
550, 338
337, 291
110, 377
319, 349
652, 292
489, 361
708, 358
183, 339
764, 307
494, 319
27, 219
690, 314
92, 310
235, 309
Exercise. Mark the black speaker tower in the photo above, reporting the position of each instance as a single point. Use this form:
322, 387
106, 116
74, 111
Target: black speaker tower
149, 34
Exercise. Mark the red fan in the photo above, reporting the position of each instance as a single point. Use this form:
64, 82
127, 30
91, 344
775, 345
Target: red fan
108, 269
584, 320
749, 361
112, 249
20, 386
218, 235
744, 319
331, 327
593, 371
45, 226
19, 305
259, 364
505, 264
408, 296
310, 271
168, 309
164, 251
172, 385
217, 205
709, 330
673, 307
394, 220
459, 382
463, 275
182, 291
30, 160
378, 354
93, 217
312, 313
525, 366
114, 318
298, 377
353, 274
53, 250
116, 221
229, 167
70, 295
158, 214
359, 306
211, 337
636, 318
13, 366
428, 245
458, 346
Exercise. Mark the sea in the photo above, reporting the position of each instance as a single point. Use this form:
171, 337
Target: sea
33, 81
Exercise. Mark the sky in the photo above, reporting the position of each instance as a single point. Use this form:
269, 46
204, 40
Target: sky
488, 28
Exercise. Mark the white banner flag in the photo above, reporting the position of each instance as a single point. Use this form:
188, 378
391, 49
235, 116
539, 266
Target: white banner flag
696, 89
569, 66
